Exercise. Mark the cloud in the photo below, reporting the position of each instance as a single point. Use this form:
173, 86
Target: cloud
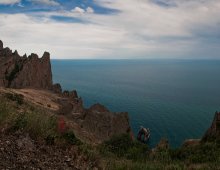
9, 2
45, 2
78, 10
89, 10
82, 11
141, 29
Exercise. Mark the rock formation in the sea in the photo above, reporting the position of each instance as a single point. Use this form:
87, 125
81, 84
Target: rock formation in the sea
214, 131
24, 72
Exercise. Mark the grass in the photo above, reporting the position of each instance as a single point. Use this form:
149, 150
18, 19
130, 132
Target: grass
123, 146
122, 153
118, 153
17, 115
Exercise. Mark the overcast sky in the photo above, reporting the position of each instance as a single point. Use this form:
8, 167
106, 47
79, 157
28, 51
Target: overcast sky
112, 29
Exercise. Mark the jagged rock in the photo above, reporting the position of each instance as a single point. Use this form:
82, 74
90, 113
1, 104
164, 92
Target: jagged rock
34, 72
6, 52
1, 45
214, 131
25, 56
73, 94
16, 53
22, 72
56, 88
70, 94
98, 108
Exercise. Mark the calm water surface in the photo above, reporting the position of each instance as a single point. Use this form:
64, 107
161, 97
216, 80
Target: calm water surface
176, 99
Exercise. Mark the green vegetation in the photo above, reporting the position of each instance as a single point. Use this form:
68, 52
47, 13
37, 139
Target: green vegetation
17, 115
120, 152
15, 97
123, 146
70, 137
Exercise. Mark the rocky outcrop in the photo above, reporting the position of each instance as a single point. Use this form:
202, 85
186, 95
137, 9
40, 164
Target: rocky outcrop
56, 88
104, 124
33, 72
214, 131
23, 72
97, 120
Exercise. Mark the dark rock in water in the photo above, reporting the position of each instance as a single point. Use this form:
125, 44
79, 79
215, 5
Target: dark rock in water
214, 131
56, 88
23, 72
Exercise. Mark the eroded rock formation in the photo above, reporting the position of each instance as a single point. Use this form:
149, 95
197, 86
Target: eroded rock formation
214, 131
33, 72
23, 72
96, 120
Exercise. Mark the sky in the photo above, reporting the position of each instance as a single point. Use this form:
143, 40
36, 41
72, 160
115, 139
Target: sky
112, 29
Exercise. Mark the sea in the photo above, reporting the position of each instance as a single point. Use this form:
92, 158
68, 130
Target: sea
176, 99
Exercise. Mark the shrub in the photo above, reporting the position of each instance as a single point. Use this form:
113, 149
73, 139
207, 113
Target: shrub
20, 123
15, 97
71, 138
124, 146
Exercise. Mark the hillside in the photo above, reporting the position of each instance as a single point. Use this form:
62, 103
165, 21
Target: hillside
44, 127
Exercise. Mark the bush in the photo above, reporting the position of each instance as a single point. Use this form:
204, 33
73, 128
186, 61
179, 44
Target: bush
20, 123
15, 97
124, 146
206, 152
71, 138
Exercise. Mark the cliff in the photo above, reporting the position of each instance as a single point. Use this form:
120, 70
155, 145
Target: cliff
23, 72
94, 125
214, 131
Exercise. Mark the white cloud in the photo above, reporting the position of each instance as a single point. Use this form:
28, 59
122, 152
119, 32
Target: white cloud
82, 11
140, 29
46, 2
89, 10
9, 2
78, 10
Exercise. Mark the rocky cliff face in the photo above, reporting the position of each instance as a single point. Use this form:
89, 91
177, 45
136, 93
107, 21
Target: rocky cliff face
96, 123
214, 131
23, 72
96, 120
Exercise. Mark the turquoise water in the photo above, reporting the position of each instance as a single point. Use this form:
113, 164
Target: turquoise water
176, 99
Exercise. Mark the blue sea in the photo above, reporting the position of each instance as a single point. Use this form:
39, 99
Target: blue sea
176, 99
